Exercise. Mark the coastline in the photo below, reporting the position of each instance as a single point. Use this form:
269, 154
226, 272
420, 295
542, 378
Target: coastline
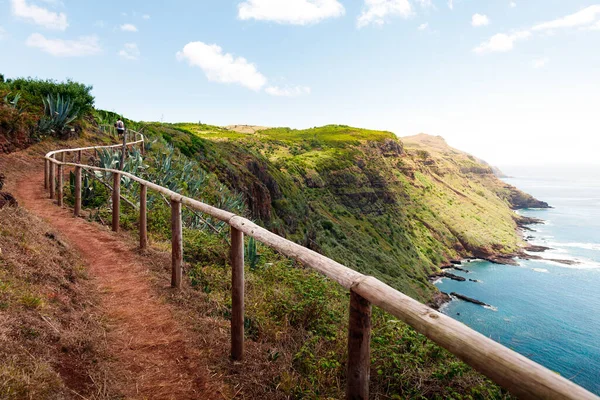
523, 223
545, 310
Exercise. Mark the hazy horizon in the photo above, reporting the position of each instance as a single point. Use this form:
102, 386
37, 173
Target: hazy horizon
511, 82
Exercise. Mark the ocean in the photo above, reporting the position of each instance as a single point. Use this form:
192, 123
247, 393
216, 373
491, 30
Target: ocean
547, 311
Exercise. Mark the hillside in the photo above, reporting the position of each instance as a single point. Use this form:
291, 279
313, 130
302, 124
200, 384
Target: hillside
296, 320
393, 208
51, 339
362, 197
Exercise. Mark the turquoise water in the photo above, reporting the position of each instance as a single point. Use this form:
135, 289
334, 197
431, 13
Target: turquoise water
545, 310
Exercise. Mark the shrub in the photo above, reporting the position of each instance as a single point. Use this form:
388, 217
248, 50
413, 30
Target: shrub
34, 90
58, 114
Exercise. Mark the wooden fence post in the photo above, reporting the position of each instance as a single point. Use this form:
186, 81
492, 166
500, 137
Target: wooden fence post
52, 179
116, 199
63, 156
123, 151
79, 154
176, 244
60, 184
46, 172
359, 348
237, 294
77, 209
143, 217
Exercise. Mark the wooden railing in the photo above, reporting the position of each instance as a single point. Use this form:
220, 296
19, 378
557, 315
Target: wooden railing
516, 373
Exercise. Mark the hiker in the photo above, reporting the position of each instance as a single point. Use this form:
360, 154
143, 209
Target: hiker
120, 126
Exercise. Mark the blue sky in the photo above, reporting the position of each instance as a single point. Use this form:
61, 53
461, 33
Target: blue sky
514, 82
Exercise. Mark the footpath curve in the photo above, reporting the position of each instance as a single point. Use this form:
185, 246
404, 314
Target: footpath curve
147, 342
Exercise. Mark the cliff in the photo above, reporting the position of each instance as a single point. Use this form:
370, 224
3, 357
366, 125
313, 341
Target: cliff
393, 208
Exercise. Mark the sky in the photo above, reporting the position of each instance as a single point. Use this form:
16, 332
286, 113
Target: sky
515, 82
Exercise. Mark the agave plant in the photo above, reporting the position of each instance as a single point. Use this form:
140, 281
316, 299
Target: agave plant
252, 253
111, 159
107, 159
92, 194
58, 114
14, 103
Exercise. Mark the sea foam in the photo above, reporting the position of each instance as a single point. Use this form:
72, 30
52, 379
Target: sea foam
585, 246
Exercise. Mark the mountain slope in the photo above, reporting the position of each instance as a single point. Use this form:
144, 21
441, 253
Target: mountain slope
395, 209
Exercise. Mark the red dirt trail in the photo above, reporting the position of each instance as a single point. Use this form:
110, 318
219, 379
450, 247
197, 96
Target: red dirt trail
146, 341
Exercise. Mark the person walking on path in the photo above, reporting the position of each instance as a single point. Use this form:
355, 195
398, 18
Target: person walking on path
120, 125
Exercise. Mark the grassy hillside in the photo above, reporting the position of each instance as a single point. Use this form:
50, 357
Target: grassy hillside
395, 209
51, 339
296, 320
392, 208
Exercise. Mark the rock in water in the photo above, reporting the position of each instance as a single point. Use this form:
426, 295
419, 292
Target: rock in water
469, 299
448, 275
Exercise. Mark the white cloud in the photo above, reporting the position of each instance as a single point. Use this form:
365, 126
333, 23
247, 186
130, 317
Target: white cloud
55, 3
225, 68
39, 15
129, 28
425, 3
2, 33
84, 46
376, 11
423, 26
512, 4
480, 20
130, 51
451, 4
288, 91
585, 17
222, 67
501, 42
296, 12
539, 63
145, 16
595, 27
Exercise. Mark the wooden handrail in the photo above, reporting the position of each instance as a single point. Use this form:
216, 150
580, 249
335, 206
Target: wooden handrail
516, 373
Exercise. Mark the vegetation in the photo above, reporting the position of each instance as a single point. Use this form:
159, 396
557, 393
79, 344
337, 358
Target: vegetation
34, 91
393, 209
33, 108
300, 318
51, 341
58, 114
297, 314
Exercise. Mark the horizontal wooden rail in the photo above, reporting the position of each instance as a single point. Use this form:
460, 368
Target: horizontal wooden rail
518, 374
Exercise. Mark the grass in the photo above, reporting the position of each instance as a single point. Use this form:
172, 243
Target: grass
324, 136
296, 320
359, 197
375, 208
51, 341
296, 334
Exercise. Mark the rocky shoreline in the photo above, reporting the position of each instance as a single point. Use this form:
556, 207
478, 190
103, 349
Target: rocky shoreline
523, 225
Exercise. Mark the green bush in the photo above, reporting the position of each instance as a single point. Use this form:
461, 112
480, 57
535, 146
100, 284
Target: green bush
58, 114
34, 90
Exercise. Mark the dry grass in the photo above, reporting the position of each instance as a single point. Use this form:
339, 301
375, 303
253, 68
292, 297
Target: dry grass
51, 336
257, 376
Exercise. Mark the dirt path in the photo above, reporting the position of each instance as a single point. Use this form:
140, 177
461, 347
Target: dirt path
149, 346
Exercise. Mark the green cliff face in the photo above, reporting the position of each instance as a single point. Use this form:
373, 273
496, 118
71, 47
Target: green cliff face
393, 208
